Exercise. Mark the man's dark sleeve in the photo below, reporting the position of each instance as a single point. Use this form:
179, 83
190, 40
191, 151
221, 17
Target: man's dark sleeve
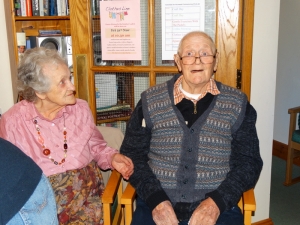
136, 146
245, 164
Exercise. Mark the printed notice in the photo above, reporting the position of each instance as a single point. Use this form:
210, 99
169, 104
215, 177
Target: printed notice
121, 30
178, 18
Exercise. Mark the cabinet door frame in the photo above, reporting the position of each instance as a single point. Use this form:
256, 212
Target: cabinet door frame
234, 22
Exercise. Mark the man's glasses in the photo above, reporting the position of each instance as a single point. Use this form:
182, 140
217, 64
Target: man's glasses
205, 59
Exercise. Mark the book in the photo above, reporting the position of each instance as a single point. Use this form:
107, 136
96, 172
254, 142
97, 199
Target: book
113, 114
28, 7
18, 8
115, 107
67, 8
118, 111
58, 6
23, 8
35, 7
52, 8
41, 7
50, 33
95, 7
46, 7
63, 8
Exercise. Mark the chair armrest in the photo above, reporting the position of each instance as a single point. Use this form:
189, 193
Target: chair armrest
127, 200
113, 187
249, 200
294, 110
249, 205
128, 195
293, 118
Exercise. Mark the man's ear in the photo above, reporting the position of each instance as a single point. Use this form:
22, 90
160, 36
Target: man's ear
216, 62
177, 61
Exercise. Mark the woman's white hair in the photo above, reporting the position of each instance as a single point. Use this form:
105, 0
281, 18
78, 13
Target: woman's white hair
31, 77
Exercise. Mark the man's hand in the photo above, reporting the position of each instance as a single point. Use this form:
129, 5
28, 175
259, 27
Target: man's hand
164, 214
206, 213
123, 165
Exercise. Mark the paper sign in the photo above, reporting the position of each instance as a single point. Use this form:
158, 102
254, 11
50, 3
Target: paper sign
121, 30
178, 18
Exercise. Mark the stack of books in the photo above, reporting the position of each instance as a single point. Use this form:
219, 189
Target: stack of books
42, 8
114, 112
46, 33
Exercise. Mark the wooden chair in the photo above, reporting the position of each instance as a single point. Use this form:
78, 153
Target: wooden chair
293, 146
114, 184
247, 204
118, 198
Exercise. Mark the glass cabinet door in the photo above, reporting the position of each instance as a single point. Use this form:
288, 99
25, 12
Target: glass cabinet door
96, 41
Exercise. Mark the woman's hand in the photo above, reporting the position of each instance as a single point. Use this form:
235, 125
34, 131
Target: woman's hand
122, 164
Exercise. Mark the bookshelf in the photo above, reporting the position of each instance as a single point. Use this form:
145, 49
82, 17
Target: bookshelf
226, 23
30, 25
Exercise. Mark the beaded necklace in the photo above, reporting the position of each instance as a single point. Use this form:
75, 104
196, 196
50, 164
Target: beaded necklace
47, 151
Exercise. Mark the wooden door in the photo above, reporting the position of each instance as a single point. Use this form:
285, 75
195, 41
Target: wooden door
234, 42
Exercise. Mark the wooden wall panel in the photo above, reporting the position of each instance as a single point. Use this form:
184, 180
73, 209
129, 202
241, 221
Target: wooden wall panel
81, 44
227, 40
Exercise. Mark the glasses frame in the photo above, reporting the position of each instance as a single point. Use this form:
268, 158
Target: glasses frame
196, 57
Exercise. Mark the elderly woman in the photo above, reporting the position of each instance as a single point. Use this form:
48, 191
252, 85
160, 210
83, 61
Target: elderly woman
58, 132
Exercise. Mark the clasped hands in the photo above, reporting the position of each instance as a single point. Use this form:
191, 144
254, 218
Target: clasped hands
123, 165
206, 213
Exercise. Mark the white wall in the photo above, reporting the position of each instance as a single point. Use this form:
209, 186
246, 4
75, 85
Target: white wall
6, 90
264, 66
262, 92
288, 69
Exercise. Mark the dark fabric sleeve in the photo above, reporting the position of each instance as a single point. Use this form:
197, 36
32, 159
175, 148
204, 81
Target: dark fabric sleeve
245, 164
136, 146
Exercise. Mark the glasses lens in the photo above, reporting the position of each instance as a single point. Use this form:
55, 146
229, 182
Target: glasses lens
207, 59
188, 60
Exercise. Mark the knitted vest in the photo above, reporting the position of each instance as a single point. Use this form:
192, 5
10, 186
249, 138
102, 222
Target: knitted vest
190, 162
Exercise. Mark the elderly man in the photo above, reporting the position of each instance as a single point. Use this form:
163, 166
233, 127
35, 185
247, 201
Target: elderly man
193, 143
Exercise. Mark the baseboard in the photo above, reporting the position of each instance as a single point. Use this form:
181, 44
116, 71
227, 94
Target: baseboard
280, 150
264, 222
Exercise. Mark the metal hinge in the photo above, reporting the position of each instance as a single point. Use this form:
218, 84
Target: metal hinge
238, 79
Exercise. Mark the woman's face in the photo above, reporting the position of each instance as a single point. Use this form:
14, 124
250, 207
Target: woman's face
196, 75
62, 91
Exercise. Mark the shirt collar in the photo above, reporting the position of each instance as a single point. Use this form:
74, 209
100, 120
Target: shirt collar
31, 111
211, 87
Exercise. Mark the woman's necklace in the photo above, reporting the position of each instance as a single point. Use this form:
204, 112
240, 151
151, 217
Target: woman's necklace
47, 151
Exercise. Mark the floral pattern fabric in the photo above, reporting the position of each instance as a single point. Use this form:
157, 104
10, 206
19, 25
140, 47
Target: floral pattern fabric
78, 195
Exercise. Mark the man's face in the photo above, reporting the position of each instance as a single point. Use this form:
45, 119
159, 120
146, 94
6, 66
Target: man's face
197, 74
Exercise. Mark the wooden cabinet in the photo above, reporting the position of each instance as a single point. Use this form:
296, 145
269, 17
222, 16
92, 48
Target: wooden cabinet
229, 22
30, 25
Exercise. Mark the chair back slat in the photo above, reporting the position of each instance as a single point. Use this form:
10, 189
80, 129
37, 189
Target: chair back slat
298, 121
